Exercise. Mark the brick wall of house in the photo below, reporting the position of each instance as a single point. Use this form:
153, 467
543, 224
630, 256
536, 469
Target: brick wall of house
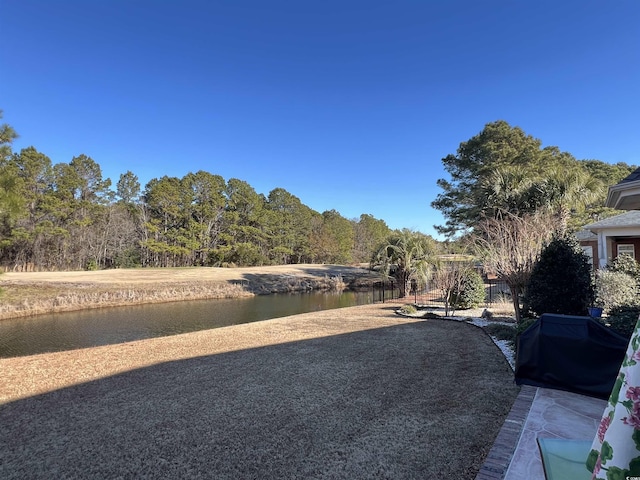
626, 241
594, 248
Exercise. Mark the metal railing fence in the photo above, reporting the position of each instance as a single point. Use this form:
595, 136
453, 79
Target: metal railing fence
496, 291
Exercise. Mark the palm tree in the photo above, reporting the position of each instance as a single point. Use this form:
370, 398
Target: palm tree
506, 190
405, 255
562, 191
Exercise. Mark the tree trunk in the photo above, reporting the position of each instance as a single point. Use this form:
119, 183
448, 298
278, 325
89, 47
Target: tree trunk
402, 277
515, 298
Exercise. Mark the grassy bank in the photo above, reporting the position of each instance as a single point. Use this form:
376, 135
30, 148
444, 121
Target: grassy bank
32, 293
42, 298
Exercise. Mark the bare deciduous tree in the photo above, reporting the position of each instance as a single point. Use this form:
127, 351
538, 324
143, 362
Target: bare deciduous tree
449, 279
510, 246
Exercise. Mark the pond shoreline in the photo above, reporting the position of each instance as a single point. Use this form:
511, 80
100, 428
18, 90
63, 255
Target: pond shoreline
26, 294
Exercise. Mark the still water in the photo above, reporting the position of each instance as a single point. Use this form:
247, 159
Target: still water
106, 326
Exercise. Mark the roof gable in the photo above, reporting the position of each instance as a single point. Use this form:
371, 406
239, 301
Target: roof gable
585, 235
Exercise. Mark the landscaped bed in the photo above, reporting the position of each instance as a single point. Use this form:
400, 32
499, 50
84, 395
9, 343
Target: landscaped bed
351, 393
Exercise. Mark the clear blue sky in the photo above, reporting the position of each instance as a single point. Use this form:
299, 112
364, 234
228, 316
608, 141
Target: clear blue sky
349, 105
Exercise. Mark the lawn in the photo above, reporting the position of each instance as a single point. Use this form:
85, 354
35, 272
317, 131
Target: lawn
343, 394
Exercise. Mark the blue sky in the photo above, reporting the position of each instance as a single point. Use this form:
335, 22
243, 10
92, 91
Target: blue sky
349, 105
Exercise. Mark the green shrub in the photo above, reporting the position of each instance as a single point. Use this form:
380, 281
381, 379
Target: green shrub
623, 319
129, 258
625, 264
408, 309
521, 327
247, 254
561, 279
501, 331
615, 288
92, 265
472, 292
240, 254
524, 324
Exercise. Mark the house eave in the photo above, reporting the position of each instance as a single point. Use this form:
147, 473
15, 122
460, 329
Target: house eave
624, 196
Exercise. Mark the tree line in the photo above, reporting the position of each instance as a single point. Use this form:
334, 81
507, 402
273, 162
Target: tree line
66, 216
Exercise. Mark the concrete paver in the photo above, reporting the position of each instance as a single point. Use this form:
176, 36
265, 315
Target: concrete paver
550, 413
555, 414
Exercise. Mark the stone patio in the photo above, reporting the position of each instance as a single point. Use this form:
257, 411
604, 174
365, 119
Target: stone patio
539, 412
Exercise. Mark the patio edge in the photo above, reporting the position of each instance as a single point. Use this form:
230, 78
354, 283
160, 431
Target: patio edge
499, 457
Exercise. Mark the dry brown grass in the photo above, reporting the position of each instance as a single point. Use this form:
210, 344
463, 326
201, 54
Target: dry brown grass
502, 309
30, 293
153, 275
62, 297
350, 393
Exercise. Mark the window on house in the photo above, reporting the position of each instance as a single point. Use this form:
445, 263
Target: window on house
588, 251
626, 249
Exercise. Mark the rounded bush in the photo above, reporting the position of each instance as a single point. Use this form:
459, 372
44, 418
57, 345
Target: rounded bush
561, 279
408, 309
472, 293
625, 264
92, 265
615, 288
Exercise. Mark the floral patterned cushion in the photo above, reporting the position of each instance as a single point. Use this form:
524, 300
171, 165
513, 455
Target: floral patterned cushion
615, 452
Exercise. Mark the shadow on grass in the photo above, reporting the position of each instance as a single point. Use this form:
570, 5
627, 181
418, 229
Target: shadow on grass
420, 400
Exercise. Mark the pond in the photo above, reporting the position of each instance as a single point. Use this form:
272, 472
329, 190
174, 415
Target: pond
106, 326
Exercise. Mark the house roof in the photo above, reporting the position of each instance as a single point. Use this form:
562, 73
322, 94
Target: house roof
626, 194
627, 219
635, 175
583, 235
